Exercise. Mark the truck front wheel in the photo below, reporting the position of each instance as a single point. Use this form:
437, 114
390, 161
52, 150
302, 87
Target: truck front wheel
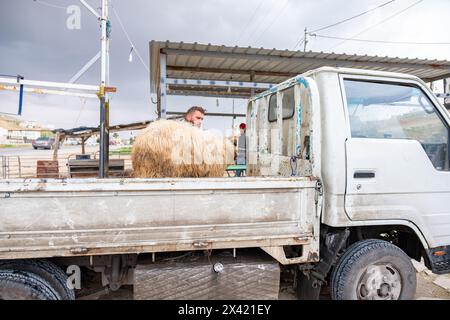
373, 270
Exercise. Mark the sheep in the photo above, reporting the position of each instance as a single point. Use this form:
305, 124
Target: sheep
168, 148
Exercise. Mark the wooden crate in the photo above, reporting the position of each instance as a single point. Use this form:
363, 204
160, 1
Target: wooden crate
90, 168
47, 169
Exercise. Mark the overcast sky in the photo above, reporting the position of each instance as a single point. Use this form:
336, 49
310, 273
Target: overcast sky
35, 43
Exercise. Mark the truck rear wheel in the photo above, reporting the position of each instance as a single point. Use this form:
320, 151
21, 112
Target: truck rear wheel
22, 285
373, 270
46, 270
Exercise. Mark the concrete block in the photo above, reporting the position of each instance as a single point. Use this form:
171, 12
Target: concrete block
429, 272
420, 267
443, 282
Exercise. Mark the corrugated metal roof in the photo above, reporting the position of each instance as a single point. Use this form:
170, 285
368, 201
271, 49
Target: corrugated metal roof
219, 62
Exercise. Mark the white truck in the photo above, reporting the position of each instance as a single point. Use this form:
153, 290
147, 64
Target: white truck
348, 179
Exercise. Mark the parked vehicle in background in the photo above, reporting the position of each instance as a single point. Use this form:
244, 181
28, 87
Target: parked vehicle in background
43, 143
72, 142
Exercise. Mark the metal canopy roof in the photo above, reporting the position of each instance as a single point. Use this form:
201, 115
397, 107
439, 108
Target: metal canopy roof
219, 63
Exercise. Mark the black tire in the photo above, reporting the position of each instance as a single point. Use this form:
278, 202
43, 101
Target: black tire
22, 285
47, 270
35, 148
373, 269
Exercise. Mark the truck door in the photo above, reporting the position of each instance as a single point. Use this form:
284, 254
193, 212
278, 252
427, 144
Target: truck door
397, 155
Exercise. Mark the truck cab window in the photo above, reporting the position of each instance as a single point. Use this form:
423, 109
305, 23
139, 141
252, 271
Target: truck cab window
392, 111
288, 105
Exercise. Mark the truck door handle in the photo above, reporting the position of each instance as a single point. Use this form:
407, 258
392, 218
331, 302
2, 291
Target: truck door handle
364, 175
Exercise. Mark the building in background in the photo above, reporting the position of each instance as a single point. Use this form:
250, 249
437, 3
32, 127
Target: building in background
14, 131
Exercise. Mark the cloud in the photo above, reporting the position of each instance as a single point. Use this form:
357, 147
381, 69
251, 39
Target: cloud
40, 47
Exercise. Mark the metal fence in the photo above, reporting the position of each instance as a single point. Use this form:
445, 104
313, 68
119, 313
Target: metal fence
25, 166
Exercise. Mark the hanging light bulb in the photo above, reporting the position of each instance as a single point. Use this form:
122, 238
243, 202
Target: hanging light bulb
130, 57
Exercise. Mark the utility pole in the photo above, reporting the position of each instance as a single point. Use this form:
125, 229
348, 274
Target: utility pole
104, 83
234, 117
306, 39
103, 95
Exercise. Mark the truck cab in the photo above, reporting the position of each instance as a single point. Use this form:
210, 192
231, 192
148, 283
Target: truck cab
379, 144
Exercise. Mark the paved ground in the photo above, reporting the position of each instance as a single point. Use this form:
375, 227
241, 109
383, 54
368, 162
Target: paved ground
431, 286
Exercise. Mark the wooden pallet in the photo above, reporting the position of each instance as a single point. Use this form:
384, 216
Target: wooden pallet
90, 168
47, 169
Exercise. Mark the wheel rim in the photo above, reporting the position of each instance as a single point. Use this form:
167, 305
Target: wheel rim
379, 282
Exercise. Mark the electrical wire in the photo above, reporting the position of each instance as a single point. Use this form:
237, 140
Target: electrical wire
380, 41
251, 19
49, 4
351, 18
129, 39
377, 24
300, 42
274, 20
261, 21
83, 105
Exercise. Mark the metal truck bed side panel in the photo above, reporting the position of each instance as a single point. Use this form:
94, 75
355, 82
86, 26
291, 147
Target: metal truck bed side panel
43, 218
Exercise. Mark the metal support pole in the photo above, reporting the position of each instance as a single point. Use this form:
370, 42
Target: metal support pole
83, 145
56, 146
104, 121
4, 167
306, 40
162, 94
234, 117
20, 94
252, 79
20, 166
20, 100
104, 139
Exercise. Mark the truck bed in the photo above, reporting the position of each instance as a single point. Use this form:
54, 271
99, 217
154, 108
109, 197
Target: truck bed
51, 218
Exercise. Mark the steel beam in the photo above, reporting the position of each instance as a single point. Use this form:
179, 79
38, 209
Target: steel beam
444, 76
329, 62
220, 83
209, 94
233, 71
87, 6
50, 85
85, 68
210, 114
46, 91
